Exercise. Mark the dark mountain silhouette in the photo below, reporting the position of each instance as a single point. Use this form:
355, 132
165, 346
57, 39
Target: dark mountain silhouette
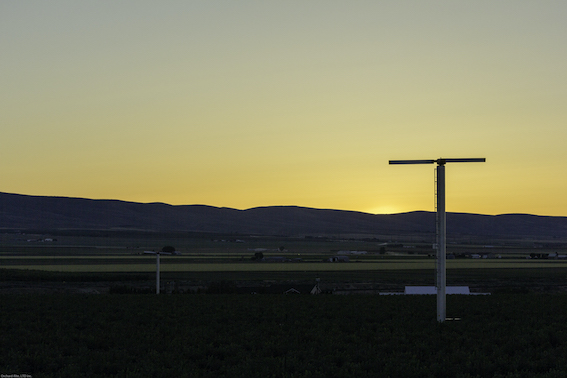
48, 213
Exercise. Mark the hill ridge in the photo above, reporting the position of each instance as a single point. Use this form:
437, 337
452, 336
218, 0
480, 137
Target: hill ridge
18, 211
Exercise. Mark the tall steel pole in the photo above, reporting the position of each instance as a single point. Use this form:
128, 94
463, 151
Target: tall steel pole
441, 243
440, 266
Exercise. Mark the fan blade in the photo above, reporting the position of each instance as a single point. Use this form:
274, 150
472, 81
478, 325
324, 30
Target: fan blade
412, 161
464, 160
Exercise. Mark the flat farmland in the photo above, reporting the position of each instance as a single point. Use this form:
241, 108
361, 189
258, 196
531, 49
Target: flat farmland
147, 263
120, 259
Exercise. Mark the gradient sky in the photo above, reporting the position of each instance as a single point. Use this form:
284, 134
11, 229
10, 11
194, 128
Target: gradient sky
258, 103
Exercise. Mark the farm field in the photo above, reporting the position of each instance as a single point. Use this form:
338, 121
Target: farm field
175, 264
502, 335
47, 330
30, 260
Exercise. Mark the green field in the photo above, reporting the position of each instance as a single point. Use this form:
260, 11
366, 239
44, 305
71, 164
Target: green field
147, 264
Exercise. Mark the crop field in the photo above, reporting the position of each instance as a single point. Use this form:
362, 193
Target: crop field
128, 335
147, 264
47, 330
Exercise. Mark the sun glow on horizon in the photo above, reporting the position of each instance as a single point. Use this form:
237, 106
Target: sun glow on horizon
385, 209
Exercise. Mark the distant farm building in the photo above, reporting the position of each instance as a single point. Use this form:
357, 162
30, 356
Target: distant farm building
339, 259
281, 288
342, 253
276, 259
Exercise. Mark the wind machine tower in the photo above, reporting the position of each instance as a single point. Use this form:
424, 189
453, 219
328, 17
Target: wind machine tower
441, 271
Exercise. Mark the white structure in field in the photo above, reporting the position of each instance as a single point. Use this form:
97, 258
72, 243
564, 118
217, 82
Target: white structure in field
432, 290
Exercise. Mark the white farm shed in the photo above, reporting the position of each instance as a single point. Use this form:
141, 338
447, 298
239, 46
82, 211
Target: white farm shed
432, 290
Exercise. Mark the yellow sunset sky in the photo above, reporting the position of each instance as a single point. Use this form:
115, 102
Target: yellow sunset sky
259, 103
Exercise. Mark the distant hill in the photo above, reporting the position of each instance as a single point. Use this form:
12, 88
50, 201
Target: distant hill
48, 213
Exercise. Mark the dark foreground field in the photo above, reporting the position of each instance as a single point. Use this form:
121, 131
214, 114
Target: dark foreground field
502, 335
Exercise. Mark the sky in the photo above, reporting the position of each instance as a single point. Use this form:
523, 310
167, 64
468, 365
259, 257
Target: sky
259, 103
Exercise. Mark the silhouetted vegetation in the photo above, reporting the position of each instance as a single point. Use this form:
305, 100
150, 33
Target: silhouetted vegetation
258, 256
125, 289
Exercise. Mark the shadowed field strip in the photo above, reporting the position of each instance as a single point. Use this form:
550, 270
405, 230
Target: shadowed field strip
7, 257
288, 267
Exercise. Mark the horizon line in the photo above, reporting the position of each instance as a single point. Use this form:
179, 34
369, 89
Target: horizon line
268, 206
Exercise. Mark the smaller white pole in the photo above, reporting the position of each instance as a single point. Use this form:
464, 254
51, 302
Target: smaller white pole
157, 273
